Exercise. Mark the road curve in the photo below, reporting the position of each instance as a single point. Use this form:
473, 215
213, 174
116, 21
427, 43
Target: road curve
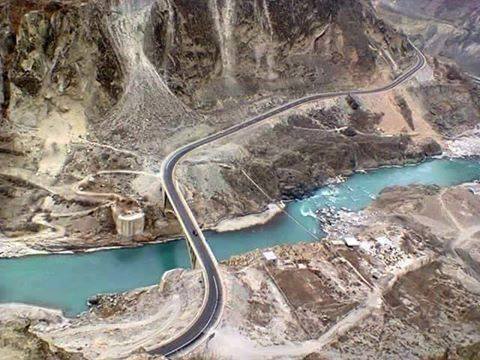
214, 295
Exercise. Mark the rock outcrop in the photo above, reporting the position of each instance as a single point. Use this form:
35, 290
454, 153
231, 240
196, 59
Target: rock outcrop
294, 154
451, 101
55, 56
239, 48
447, 29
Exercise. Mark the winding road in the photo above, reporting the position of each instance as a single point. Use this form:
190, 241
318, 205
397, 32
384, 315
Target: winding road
212, 305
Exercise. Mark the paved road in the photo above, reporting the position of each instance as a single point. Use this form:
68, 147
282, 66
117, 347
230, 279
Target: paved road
213, 300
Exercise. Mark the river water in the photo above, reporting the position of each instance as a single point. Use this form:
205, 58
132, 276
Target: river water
66, 281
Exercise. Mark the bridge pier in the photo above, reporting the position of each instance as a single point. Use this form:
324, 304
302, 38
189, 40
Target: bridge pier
163, 203
166, 208
193, 257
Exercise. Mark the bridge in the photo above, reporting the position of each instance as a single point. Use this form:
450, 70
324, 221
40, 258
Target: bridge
200, 252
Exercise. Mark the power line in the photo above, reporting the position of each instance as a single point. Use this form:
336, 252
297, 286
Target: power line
280, 207
360, 276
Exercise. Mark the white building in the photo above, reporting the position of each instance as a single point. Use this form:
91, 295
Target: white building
270, 257
351, 241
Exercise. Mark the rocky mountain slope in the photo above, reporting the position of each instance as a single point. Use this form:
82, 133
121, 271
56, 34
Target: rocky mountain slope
447, 29
93, 87
241, 48
56, 55
294, 153
94, 94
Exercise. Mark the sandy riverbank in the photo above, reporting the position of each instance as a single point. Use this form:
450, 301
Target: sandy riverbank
244, 222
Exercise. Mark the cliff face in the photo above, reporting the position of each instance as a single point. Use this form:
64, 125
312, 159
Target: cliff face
452, 102
55, 56
213, 49
447, 28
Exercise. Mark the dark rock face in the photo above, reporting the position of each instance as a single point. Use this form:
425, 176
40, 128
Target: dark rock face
315, 156
17, 338
349, 131
211, 49
56, 49
405, 110
447, 28
431, 148
181, 41
452, 103
291, 161
7, 46
34, 35
450, 109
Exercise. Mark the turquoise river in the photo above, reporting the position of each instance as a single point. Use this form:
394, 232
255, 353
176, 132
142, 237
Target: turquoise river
66, 281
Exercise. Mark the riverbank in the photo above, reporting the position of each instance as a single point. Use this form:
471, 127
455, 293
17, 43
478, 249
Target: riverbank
330, 300
122, 269
317, 297
52, 236
250, 220
307, 146
118, 324
16, 248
